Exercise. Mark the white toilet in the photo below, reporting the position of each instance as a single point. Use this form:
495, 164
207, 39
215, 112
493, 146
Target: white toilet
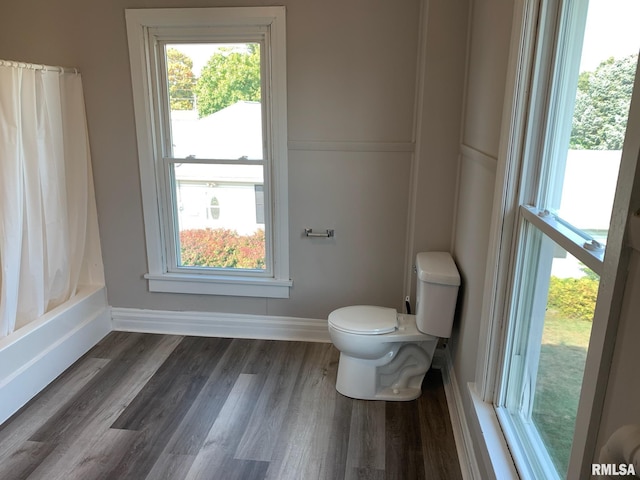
384, 354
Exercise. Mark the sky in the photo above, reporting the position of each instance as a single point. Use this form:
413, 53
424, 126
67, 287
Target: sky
200, 53
613, 30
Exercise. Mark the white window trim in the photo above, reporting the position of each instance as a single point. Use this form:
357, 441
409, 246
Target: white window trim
501, 247
139, 22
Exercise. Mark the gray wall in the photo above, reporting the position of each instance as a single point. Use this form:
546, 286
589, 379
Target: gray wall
351, 78
490, 32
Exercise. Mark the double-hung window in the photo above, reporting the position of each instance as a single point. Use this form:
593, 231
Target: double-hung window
209, 89
579, 74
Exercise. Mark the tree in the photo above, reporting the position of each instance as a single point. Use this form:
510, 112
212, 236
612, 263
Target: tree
232, 74
602, 105
181, 80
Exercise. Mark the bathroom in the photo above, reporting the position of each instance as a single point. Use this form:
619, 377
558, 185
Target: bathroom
394, 121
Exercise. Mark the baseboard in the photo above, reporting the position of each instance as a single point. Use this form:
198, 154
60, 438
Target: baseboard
220, 325
461, 432
35, 355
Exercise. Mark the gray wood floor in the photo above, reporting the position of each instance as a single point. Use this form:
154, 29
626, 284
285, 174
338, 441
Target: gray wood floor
142, 406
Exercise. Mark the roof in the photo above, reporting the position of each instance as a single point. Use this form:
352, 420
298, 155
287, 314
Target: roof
231, 133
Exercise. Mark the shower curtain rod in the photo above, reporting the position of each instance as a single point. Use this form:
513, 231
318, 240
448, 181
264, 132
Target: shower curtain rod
37, 66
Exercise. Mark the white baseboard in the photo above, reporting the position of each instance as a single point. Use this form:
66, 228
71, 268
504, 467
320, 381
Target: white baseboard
461, 432
33, 356
220, 325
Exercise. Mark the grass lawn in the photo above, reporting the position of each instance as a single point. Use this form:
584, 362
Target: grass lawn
562, 359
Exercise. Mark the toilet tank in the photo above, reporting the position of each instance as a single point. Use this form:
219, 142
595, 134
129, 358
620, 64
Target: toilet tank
437, 292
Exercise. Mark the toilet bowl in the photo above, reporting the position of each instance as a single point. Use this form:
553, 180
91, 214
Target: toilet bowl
384, 354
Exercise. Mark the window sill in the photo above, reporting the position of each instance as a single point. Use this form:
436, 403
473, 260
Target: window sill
219, 285
495, 447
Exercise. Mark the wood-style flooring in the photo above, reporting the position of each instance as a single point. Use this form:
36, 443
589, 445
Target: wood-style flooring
143, 406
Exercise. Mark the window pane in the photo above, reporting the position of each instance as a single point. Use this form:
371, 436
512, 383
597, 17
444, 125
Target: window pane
551, 337
220, 221
587, 169
214, 101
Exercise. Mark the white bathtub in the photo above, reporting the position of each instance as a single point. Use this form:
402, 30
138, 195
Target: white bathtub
34, 355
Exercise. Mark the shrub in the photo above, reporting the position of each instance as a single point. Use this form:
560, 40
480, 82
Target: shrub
573, 298
222, 248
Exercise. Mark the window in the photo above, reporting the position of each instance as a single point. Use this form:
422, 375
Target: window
210, 104
259, 192
574, 124
214, 209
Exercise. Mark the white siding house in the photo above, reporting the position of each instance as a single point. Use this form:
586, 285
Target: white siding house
219, 196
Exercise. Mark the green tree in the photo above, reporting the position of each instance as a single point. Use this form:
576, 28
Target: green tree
181, 80
602, 105
230, 75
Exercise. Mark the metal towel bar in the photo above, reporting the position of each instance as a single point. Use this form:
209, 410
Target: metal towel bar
310, 233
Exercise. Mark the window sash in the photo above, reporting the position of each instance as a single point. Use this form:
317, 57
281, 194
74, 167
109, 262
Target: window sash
166, 178
171, 228
515, 397
574, 241
161, 40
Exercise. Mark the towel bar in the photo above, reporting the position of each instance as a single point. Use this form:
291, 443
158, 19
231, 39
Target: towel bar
310, 233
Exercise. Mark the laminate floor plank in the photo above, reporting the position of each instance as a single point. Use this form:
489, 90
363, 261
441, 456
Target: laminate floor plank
159, 408
98, 394
367, 436
119, 345
171, 466
154, 407
258, 441
262, 356
339, 444
86, 437
193, 430
439, 448
16, 430
403, 442
224, 436
93, 458
235, 469
303, 449
177, 382
365, 473
24, 460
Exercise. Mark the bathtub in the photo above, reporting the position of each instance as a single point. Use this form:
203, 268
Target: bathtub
34, 355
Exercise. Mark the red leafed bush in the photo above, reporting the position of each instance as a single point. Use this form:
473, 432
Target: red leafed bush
222, 248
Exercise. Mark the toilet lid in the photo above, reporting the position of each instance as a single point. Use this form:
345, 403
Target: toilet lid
364, 319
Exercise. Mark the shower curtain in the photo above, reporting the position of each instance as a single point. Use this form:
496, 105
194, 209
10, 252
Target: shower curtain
45, 181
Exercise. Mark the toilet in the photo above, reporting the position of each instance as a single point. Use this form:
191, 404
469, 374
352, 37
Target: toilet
384, 354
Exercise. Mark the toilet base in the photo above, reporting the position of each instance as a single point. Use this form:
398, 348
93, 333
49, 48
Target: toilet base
397, 376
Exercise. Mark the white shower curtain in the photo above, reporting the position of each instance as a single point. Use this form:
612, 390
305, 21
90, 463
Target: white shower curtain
45, 180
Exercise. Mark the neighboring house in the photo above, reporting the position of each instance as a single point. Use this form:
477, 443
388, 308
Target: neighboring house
219, 196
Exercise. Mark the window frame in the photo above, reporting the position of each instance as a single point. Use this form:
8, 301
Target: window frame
266, 24
500, 273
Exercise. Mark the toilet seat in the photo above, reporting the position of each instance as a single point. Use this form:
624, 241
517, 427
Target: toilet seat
364, 320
